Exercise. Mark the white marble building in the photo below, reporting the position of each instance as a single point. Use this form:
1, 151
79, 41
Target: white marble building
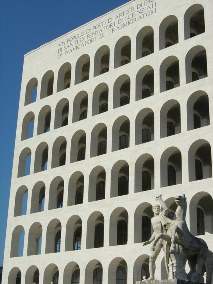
111, 115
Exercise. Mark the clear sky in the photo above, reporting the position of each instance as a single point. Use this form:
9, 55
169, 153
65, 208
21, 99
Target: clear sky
25, 25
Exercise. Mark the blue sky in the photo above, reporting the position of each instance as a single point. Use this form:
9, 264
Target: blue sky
25, 25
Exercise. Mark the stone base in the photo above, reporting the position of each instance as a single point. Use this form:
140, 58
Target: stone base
171, 281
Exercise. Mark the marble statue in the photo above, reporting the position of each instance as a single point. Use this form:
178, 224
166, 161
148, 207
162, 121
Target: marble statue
171, 233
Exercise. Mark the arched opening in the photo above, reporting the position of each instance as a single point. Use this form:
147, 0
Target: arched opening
44, 120
53, 237
95, 230
14, 276
145, 83
171, 167
117, 273
32, 275
194, 21
35, 239
120, 179
100, 99
98, 140
121, 91
170, 119
169, 74
28, 126
72, 273
97, 182
141, 268
24, 162
82, 69
21, 201
120, 133
62, 113
41, 158
118, 227
78, 146
200, 161
144, 126
145, 42
31, 91
38, 197
80, 106
17, 242
47, 84
56, 193
94, 272
102, 60
76, 189
59, 152
144, 173
122, 53
168, 32
196, 64
73, 233
64, 77
51, 274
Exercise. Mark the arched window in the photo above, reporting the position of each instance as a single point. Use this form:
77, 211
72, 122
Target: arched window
198, 169
81, 153
146, 180
58, 241
36, 277
146, 228
171, 175
47, 84
123, 141
77, 239
18, 278
123, 185
121, 275
55, 278
100, 190
122, 54
99, 235
79, 195
75, 277
60, 199
31, 91
145, 271
200, 221
122, 232
97, 275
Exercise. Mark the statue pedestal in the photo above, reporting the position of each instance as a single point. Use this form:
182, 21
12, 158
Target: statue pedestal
172, 281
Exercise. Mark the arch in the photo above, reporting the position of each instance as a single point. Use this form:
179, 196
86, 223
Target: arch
47, 84
38, 197
44, 120
198, 110
145, 42
82, 69
201, 208
122, 53
194, 21
101, 62
62, 113
31, 91
73, 233
144, 173
168, 32
97, 182
170, 120
95, 230
41, 157
98, 140
144, 126
120, 179
76, 189
28, 126
100, 99
17, 241
169, 74
121, 91
53, 237
144, 83
64, 77
14, 276
200, 160
142, 222
21, 201
78, 146
141, 268
117, 273
118, 227
94, 272
80, 106
56, 193
72, 273
120, 133
51, 274
196, 64
171, 167
24, 162
35, 239
32, 275
59, 152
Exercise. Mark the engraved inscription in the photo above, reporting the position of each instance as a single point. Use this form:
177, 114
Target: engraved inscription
111, 25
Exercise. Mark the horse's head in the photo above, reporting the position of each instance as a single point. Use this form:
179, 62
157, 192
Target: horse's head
180, 200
